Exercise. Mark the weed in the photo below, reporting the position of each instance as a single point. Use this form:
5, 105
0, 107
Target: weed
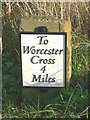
71, 102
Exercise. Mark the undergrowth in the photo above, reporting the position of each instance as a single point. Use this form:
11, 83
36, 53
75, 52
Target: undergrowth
70, 103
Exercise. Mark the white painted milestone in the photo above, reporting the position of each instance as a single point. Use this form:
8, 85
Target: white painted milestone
43, 60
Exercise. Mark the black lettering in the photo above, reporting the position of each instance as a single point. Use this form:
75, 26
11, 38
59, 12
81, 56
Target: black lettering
45, 61
51, 61
42, 51
45, 42
53, 50
40, 61
41, 37
32, 59
36, 79
56, 52
43, 78
51, 80
26, 49
45, 51
49, 52
60, 51
33, 51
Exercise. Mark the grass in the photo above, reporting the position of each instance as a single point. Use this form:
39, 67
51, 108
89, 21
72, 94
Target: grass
76, 12
63, 108
71, 102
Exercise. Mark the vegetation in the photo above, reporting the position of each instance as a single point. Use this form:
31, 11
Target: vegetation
71, 102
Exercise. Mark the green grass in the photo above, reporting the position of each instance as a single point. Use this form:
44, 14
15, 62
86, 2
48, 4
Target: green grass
70, 103
67, 106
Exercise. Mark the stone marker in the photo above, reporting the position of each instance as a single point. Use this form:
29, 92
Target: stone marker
31, 24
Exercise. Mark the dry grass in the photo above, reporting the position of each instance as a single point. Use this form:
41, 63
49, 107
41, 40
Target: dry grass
77, 13
70, 103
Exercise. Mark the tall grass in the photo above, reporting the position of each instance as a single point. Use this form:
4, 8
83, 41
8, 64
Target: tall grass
63, 106
76, 12
71, 102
